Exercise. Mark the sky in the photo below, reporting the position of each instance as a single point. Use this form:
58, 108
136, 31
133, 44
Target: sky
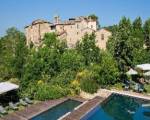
19, 13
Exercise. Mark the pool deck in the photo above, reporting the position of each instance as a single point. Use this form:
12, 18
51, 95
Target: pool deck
132, 94
105, 92
77, 114
35, 109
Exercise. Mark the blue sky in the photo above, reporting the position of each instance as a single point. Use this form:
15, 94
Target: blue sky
19, 13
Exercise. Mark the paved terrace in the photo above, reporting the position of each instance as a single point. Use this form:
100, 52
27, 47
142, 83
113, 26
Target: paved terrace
96, 99
35, 109
105, 93
77, 114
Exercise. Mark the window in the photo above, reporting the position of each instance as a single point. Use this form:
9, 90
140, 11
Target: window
91, 26
77, 33
102, 36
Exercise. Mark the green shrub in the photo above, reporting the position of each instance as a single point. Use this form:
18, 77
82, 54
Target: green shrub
44, 91
75, 87
106, 72
147, 88
28, 91
117, 86
89, 86
71, 60
14, 80
64, 78
88, 82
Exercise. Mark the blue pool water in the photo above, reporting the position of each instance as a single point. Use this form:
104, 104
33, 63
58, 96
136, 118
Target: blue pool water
120, 107
58, 111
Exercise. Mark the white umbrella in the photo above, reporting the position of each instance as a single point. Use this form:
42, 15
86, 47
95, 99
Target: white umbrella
147, 73
131, 72
7, 86
143, 66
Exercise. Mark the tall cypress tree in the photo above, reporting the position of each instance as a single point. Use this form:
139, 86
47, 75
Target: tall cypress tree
122, 47
137, 33
147, 33
138, 41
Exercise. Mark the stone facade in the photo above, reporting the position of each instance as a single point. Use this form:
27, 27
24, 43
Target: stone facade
71, 30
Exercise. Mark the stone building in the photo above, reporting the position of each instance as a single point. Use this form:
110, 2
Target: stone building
71, 30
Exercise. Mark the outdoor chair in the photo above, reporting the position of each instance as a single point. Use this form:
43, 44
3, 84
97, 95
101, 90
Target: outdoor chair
2, 110
136, 87
141, 88
27, 100
126, 87
13, 106
23, 102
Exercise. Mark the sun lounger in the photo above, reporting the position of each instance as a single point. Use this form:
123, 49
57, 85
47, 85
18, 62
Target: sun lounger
27, 100
23, 102
13, 106
2, 110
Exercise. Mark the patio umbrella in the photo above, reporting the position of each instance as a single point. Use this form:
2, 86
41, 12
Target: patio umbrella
7, 86
131, 72
143, 67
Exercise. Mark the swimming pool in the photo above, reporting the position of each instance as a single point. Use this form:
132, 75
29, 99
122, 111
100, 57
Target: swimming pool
58, 111
119, 107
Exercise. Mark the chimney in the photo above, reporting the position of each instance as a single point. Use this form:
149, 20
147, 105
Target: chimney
56, 19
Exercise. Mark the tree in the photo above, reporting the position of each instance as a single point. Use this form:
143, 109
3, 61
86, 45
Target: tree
43, 63
147, 33
122, 48
0, 46
106, 73
138, 42
87, 47
51, 41
20, 57
72, 60
119, 45
141, 56
93, 17
137, 33
9, 52
112, 28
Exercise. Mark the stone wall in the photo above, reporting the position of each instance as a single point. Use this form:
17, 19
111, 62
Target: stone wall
101, 42
36, 32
